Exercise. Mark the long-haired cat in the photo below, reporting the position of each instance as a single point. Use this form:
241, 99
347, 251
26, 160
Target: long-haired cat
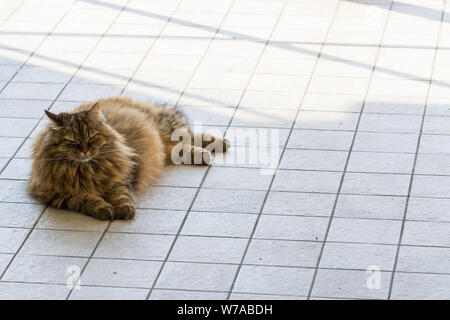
94, 158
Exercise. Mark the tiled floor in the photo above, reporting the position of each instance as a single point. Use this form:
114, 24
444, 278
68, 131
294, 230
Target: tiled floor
353, 95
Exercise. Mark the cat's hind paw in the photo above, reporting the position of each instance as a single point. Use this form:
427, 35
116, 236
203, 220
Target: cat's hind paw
226, 145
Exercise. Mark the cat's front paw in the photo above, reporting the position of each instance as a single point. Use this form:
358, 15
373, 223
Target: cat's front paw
103, 213
125, 211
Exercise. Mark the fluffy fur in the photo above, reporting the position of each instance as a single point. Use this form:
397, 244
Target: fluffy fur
94, 158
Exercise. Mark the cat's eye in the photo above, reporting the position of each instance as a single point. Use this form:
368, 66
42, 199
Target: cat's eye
71, 141
91, 138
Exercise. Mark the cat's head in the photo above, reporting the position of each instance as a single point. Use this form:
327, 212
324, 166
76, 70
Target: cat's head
79, 136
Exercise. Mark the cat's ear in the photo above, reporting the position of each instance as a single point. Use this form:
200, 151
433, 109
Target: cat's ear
95, 110
54, 117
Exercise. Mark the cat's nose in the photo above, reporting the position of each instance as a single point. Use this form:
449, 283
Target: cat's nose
84, 149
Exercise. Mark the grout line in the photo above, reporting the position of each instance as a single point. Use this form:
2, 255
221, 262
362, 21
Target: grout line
282, 153
445, 116
350, 151
416, 156
248, 264
211, 263
257, 169
293, 75
384, 173
235, 264
301, 149
282, 191
168, 289
304, 110
273, 127
193, 235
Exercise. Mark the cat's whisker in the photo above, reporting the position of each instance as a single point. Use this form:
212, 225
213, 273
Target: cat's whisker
55, 159
108, 151
76, 159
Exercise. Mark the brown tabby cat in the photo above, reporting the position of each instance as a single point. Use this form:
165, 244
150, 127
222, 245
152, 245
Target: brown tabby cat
95, 157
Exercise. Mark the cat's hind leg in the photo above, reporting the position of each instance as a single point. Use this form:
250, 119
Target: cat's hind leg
150, 161
186, 153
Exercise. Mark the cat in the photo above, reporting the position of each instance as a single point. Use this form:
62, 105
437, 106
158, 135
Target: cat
95, 158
